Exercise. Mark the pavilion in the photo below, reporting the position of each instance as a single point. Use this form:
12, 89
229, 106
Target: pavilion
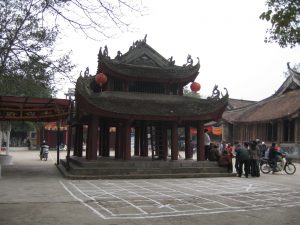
140, 94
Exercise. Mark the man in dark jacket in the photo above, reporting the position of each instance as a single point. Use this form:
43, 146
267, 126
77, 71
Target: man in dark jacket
254, 157
273, 156
242, 155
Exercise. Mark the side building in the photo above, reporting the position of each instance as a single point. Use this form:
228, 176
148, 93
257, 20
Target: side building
274, 119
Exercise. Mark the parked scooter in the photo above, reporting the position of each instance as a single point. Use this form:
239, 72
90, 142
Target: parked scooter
44, 151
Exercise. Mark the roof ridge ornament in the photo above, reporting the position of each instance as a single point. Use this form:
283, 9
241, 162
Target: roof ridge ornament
138, 43
87, 72
145, 39
171, 61
119, 55
216, 93
104, 53
289, 68
189, 61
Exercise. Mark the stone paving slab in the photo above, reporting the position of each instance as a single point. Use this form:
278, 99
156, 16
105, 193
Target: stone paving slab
181, 197
33, 192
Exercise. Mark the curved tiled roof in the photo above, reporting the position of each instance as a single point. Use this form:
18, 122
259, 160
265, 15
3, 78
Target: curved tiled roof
238, 103
144, 63
147, 72
140, 105
292, 82
272, 108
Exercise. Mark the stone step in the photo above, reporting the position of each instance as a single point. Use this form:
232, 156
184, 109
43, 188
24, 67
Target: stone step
68, 175
115, 169
141, 163
118, 170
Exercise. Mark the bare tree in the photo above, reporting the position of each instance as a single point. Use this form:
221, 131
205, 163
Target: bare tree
96, 18
29, 30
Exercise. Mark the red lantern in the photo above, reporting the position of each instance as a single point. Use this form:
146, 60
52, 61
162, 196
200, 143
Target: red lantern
195, 86
101, 78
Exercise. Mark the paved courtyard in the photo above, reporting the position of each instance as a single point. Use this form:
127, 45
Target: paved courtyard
34, 192
132, 199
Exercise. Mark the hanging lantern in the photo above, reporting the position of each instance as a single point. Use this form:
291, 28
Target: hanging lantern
195, 86
101, 78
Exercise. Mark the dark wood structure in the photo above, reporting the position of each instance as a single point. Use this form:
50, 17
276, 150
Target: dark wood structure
14, 108
274, 119
142, 98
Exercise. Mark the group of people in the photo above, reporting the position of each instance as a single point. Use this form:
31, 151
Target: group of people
247, 157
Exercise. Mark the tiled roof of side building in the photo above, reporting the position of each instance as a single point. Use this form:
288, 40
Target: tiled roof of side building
272, 108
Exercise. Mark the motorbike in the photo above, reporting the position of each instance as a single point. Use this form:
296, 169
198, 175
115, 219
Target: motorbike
283, 163
45, 151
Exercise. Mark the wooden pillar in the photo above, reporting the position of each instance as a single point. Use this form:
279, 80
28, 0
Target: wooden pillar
75, 152
100, 141
167, 89
105, 146
92, 142
78, 140
126, 140
144, 141
280, 128
180, 89
87, 139
69, 141
57, 142
188, 149
165, 142
137, 138
174, 141
118, 147
200, 142
297, 130
288, 131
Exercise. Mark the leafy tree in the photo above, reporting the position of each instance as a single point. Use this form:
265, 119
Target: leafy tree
26, 49
188, 92
284, 16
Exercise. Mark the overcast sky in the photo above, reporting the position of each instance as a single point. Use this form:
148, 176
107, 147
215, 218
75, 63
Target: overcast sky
227, 36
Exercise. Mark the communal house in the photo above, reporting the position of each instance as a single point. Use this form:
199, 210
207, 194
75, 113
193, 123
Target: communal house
274, 119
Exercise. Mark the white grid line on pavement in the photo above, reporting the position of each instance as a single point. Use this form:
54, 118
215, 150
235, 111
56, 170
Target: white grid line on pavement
114, 196
156, 199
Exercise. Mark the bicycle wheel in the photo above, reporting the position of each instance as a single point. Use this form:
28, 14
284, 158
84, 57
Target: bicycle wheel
290, 169
265, 168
